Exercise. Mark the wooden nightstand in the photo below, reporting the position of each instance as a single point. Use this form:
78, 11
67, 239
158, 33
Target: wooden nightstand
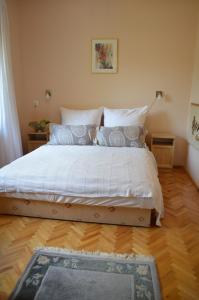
37, 139
162, 146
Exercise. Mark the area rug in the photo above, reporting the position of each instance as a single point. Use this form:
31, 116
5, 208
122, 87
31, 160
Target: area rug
59, 274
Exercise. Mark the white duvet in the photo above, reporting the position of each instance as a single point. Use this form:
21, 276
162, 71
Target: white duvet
87, 171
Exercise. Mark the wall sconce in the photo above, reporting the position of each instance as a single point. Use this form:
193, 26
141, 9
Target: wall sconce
48, 94
159, 95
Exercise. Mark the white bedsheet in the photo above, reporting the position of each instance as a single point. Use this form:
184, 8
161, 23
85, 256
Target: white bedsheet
86, 171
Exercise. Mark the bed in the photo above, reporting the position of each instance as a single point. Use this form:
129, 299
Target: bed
115, 185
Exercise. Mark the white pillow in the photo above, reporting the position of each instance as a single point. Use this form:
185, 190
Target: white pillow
125, 117
81, 117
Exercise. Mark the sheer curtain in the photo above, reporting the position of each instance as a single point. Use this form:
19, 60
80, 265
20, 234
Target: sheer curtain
10, 139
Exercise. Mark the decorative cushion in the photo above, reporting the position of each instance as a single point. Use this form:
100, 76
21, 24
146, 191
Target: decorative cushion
125, 117
81, 117
71, 134
123, 136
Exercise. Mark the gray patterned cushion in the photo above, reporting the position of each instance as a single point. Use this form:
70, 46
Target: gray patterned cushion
122, 136
72, 134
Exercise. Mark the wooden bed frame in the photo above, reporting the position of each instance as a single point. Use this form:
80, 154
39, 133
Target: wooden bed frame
76, 212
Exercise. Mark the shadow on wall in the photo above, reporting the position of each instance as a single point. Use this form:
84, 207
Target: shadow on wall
156, 120
180, 143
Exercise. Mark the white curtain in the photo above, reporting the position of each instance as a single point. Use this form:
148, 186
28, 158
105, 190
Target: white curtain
10, 139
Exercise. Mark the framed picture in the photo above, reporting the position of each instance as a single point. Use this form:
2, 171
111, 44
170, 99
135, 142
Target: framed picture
193, 130
104, 56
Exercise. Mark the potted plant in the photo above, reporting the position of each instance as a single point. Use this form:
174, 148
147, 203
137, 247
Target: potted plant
39, 126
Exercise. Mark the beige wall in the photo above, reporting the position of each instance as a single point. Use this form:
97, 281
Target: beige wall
156, 40
193, 153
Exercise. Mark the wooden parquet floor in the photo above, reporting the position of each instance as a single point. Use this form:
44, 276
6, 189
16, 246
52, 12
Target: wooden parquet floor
175, 245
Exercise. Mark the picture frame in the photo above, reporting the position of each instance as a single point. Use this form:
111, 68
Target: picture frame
104, 55
193, 129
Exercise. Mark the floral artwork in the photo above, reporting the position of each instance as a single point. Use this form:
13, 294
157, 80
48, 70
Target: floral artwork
194, 125
104, 56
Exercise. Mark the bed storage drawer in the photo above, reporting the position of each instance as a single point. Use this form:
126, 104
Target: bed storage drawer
84, 213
